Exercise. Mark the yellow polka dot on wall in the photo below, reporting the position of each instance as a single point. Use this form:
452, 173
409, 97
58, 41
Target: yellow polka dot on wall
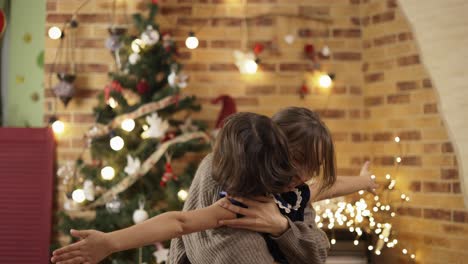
27, 38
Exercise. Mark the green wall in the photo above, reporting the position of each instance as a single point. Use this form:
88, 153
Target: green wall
25, 76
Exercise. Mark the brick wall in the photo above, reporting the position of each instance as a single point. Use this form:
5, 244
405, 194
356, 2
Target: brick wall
382, 90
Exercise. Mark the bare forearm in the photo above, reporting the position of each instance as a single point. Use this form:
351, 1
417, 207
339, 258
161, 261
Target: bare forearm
159, 228
344, 185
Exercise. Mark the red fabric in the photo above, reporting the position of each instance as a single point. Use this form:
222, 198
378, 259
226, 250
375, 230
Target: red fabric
26, 187
228, 108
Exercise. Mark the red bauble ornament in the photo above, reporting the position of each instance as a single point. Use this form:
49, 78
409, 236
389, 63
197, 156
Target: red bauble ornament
309, 50
143, 87
154, 2
168, 175
258, 48
3, 22
114, 86
303, 90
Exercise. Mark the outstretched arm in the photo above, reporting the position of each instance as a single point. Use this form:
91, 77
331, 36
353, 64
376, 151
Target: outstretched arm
95, 246
345, 185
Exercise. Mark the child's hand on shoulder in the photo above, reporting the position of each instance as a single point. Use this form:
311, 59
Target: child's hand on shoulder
369, 181
93, 247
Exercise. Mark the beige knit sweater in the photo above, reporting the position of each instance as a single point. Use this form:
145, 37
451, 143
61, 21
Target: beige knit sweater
303, 242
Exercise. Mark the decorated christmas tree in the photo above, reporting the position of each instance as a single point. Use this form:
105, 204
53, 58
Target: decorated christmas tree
143, 129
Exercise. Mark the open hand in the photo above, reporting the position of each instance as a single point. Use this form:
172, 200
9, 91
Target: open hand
262, 215
93, 247
370, 183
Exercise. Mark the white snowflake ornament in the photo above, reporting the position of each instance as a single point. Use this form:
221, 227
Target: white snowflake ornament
161, 254
150, 36
133, 165
157, 126
179, 80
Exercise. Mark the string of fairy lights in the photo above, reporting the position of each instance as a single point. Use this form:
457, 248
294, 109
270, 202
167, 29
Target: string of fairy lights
372, 215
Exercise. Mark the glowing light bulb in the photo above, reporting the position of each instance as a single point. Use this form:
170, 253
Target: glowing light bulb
325, 81
370, 248
361, 192
112, 103
333, 241
398, 159
393, 214
58, 127
413, 256
108, 173
117, 143
182, 195
405, 251
407, 199
377, 252
356, 242
128, 125
250, 66
191, 42
55, 32
397, 139
78, 195
372, 177
388, 176
320, 225
137, 45
376, 198
403, 196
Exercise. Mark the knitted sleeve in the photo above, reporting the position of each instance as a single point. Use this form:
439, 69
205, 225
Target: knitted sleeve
304, 242
216, 246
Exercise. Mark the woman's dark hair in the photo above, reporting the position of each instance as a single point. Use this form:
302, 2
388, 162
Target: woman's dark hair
310, 143
251, 156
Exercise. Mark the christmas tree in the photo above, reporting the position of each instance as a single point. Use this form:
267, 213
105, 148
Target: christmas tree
143, 126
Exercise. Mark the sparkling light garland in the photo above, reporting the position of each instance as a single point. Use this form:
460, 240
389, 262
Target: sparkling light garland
368, 214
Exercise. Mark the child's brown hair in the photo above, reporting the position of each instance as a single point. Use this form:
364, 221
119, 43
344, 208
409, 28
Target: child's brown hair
251, 156
310, 143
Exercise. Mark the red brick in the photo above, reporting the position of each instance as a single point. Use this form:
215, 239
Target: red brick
408, 60
339, 136
427, 83
373, 77
383, 17
355, 90
223, 67
385, 40
86, 93
398, 99
190, 21
410, 211
262, 21
365, 21
447, 147
247, 101
226, 22
359, 137
58, 18
407, 85
332, 113
51, 6
430, 108
431, 148
347, 56
176, 10
266, 67
460, 216
410, 135
355, 114
294, 67
92, 18
195, 67
355, 2
230, 44
373, 101
392, 3
438, 187
405, 36
456, 188
382, 136
313, 33
355, 21
184, 55
383, 161
366, 44
337, 89
449, 174
260, 90
346, 33
437, 214
411, 161
415, 186
365, 67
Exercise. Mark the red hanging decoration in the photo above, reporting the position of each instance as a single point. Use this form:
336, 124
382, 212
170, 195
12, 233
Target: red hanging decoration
258, 48
114, 86
154, 2
228, 108
143, 87
168, 175
303, 91
309, 51
3, 22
